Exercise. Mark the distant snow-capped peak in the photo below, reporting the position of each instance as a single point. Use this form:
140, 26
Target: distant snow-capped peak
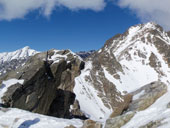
18, 54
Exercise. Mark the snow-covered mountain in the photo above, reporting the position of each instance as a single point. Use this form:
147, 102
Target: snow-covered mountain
11, 60
143, 52
125, 84
18, 54
127, 62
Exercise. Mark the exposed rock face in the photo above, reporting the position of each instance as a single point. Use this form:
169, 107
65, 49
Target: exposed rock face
152, 124
71, 126
75, 110
143, 98
120, 109
103, 62
91, 124
168, 105
119, 121
11, 65
48, 84
147, 95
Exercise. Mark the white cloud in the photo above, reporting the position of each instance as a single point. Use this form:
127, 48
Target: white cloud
12, 9
150, 10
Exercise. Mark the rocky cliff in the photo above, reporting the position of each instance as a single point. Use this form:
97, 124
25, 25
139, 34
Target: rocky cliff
48, 84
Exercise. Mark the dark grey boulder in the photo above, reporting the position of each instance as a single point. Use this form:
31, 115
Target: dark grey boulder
48, 84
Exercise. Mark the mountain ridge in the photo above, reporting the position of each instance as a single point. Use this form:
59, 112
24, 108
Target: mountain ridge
119, 84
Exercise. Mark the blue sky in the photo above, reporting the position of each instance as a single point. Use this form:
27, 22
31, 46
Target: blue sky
78, 30
65, 29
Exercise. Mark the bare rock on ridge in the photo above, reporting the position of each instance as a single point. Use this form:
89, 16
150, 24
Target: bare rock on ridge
147, 95
143, 98
48, 84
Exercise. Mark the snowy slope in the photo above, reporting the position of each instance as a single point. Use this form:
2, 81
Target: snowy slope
90, 103
16, 118
134, 52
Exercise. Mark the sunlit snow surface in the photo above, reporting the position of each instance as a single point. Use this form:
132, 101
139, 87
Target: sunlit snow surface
16, 118
19, 54
57, 57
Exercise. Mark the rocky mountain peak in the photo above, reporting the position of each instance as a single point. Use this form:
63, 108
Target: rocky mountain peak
18, 54
144, 27
141, 52
47, 83
12, 60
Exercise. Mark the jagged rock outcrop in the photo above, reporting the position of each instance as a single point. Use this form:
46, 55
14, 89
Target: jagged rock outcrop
153, 124
119, 121
147, 95
75, 110
142, 99
71, 126
91, 124
48, 84
120, 109
168, 105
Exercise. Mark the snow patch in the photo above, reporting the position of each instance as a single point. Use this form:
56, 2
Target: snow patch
16, 118
137, 96
6, 84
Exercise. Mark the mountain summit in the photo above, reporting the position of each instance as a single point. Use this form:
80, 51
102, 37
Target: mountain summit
18, 54
11, 60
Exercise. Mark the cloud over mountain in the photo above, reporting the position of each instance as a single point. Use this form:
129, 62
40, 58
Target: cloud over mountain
150, 10
12, 9
146, 10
